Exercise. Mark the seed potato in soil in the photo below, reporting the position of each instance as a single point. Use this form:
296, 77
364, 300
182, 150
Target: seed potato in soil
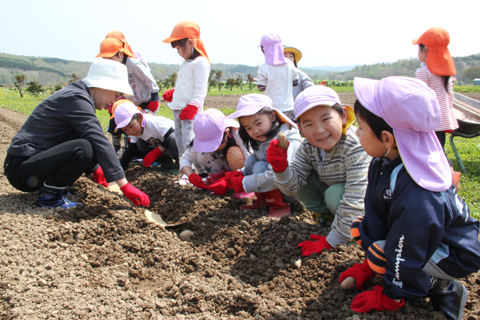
105, 260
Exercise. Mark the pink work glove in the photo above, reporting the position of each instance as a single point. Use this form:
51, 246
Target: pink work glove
375, 300
168, 95
135, 195
151, 157
277, 157
153, 106
360, 272
188, 112
99, 177
197, 181
309, 247
220, 187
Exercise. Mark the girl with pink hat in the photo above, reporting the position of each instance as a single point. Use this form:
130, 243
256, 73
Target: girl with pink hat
259, 124
216, 149
277, 76
417, 232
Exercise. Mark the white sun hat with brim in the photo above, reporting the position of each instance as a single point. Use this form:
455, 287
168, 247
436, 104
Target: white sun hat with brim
109, 75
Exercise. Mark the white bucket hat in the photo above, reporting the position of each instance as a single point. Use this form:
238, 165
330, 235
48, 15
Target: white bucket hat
109, 75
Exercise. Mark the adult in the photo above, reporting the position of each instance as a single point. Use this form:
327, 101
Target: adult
63, 138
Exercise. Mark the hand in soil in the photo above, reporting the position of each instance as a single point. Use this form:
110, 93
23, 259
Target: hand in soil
360, 273
135, 195
375, 300
309, 247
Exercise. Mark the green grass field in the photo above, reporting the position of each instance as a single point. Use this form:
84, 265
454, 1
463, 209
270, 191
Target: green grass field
469, 149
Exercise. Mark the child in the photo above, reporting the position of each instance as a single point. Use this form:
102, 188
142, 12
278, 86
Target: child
118, 35
259, 124
329, 171
144, 86
294, 55
156, 134
416, 232
216, 142
276, 76
192, 80
437, 67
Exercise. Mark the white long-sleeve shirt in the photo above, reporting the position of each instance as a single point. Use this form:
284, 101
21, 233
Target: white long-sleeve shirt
192, 84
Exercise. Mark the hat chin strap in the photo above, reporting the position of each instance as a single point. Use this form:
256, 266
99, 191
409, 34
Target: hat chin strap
388, 151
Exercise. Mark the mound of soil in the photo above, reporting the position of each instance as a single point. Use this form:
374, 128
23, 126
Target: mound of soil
106, 260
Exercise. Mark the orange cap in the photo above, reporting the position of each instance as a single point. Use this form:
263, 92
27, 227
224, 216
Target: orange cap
188, 29
110, 46
119, 102
439, 61
119, 36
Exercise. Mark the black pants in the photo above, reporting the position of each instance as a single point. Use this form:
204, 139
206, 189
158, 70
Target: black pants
59, 166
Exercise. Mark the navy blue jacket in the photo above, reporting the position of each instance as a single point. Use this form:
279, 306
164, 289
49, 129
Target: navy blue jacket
415, 222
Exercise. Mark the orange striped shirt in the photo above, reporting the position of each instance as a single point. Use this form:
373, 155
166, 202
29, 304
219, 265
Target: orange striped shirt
435, 82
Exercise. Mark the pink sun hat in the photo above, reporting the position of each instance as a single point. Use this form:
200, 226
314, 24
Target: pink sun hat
124, 113
273, 49
411, 108
252, 103
209, 128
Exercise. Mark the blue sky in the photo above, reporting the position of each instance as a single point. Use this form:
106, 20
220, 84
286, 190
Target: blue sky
334, 32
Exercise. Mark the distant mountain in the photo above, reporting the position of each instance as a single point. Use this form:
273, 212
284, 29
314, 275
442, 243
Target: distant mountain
52, 71
335, 69
406, 67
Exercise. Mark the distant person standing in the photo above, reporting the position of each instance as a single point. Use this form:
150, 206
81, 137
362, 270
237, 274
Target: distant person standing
277, 76
436, 69
118, 35
188, 97
144, 86
63, 139
304, 81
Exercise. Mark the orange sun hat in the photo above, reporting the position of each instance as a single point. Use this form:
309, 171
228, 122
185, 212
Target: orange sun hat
439, 61
188, 29
119, 36
110, 46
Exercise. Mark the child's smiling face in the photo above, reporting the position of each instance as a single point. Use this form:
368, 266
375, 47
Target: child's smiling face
290, 56
322, 126
258, 125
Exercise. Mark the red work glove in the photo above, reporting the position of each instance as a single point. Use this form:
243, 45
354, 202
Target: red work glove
220, 187
188, 112
153, 105
232, 174
135, 195
215, 176
237, 184
309, 247
151, 157
99, 177
168, 95
197, 181
360, 272
277, 157
375, 300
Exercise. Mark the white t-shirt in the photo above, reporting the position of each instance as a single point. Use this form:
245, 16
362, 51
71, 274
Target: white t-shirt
155, 129
278, 81
192, 84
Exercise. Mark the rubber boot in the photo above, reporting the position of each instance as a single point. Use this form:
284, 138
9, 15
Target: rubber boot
116, 143
448, 296
259, 203
278, 207
53, 197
